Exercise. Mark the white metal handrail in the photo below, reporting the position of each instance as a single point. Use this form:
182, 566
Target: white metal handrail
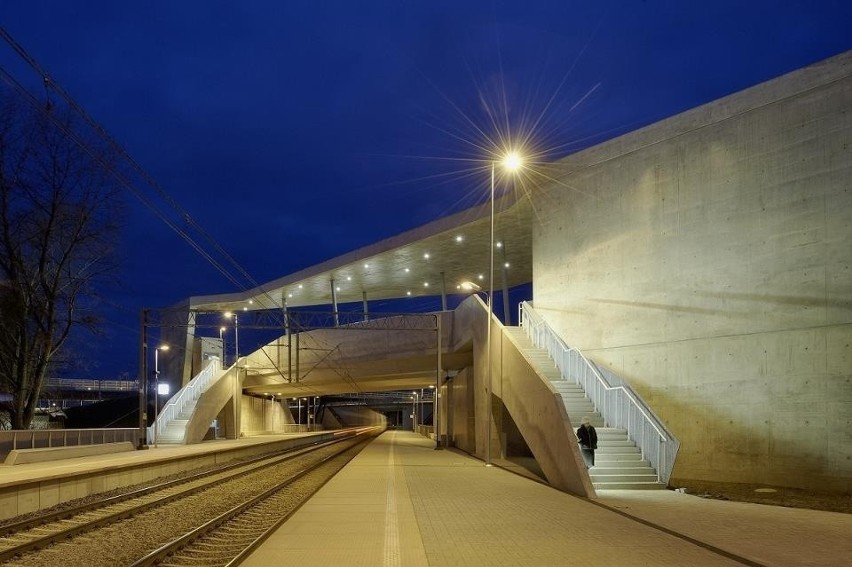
616, 401
186, 396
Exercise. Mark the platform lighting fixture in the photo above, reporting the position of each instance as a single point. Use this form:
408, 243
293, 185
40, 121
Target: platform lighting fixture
511, 162
228, 315
157, 390
426, 255
459, 238
300, 286
407, 270
407, 293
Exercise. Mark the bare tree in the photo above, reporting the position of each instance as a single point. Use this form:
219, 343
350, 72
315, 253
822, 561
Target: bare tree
60, 211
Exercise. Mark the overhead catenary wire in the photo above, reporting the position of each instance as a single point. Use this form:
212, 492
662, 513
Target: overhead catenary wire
99, 156
51, 85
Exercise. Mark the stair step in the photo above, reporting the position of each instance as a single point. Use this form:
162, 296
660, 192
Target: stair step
621, 450
610, 478
629, 485
633, 458
615, 443
628, 467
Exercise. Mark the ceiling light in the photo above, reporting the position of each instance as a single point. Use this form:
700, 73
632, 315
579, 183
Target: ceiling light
459, 238
290, 294
407, 293
337, 288
425, 284
426, 255
481, 276
506, 265
366, 266
499, 245
300, 286
407, 270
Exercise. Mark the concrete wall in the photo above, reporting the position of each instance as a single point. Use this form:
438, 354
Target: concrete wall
706, 259
262, 415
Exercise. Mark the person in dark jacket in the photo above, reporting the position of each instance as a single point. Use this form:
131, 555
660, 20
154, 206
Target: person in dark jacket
588, 441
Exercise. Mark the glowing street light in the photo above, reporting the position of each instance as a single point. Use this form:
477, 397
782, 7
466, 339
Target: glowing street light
228, 315
157, 390
511, 162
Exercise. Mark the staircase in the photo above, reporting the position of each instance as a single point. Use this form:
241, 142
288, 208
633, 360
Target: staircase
175, 417
618, 461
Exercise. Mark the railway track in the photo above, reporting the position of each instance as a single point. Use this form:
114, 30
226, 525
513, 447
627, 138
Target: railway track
121, 530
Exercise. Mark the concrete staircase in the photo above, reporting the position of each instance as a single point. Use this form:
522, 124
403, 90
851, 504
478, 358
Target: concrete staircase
175, 430
618, 461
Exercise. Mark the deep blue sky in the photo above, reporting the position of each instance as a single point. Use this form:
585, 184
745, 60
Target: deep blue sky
298, 131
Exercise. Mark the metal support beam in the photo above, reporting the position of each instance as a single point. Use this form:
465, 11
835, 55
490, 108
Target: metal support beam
334, 303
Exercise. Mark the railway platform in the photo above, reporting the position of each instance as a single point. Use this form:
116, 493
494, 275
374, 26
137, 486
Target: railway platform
402, 503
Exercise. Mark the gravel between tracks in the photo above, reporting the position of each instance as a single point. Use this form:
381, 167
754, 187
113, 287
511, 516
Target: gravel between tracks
125, 541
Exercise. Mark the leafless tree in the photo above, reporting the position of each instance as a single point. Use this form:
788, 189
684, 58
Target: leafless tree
60, 212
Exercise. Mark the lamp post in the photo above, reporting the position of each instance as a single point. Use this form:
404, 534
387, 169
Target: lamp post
222, 340
229, 314
157, 390
414, 412
511, 162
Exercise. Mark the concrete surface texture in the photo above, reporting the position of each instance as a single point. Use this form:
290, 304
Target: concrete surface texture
401, 503
706, 260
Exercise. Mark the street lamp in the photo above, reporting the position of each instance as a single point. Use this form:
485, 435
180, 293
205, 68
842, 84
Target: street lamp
222, 340
236, 403
157, 390
414, 412
511, 162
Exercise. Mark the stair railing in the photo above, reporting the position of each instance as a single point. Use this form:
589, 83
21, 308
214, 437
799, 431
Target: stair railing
186, 396
616, 401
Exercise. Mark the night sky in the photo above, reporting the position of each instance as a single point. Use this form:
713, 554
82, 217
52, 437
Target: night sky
294, 132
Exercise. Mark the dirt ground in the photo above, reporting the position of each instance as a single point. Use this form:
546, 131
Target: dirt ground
774, 495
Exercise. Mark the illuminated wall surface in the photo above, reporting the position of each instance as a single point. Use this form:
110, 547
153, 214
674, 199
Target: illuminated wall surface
707, 259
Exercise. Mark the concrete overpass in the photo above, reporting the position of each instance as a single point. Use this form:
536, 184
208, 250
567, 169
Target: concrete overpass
704, 259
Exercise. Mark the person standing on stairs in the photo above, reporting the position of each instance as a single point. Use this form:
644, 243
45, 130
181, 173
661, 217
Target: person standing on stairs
588, 441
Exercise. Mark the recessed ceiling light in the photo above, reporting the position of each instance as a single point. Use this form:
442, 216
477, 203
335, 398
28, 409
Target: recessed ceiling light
481, 276
251, 301
425, 284
366, 266
245, 308
407, 293
459, 238
407, 270
499, 245
337, 288
426, 255
290, 294
506, 264
349, 278
300, 286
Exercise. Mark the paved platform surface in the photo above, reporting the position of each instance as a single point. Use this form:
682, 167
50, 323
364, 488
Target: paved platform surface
401, 503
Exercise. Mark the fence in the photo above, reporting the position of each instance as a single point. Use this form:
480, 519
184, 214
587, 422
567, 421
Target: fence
42, 438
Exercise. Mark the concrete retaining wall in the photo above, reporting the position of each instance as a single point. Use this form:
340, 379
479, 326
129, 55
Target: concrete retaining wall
707, 260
